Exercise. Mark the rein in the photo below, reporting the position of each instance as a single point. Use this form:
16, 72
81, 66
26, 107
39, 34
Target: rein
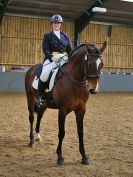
82, 84
72, 79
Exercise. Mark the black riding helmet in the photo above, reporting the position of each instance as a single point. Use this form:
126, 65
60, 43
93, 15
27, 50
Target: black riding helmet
56, 19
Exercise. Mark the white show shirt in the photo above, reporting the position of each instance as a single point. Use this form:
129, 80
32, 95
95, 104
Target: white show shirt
57, 33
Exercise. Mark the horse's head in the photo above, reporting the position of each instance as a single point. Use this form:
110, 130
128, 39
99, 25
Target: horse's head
86, 63
93, 65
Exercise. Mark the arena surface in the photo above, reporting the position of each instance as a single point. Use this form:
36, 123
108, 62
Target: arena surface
108, 129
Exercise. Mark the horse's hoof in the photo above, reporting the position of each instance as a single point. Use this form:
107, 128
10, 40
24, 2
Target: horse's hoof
60, 162
38, 137
39, 140
85, 161
31, 145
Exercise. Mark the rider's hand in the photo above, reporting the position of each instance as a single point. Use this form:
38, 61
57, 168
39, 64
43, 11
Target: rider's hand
55, 58
56, 62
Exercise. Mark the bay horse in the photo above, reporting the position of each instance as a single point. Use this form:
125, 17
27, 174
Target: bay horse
80, 76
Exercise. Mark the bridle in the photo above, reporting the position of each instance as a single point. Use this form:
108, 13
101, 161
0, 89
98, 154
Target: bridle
91, 76
87, 75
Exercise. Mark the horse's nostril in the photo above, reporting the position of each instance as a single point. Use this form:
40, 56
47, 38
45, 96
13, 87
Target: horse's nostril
93, 91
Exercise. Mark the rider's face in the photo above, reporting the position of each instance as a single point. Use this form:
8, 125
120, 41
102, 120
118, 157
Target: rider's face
56, 26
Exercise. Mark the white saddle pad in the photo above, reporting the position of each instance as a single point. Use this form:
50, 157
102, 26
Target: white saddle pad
51, 83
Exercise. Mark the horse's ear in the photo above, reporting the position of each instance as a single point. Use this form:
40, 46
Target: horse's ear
103, 46
88, 45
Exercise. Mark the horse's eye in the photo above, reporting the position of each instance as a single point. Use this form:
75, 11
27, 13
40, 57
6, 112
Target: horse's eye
89, 64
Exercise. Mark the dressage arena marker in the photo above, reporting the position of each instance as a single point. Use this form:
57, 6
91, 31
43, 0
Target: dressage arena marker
117, 73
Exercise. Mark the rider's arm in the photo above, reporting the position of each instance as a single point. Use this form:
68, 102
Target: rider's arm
69, 48
46, 47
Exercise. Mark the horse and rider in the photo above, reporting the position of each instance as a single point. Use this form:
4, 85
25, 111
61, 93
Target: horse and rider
79, 77
56, 44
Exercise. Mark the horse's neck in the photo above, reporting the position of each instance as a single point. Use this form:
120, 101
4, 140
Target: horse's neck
75, 67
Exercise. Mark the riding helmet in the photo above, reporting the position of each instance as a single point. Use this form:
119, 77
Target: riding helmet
56, 19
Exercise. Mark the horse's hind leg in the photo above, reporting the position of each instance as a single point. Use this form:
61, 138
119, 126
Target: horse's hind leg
31, 119
61, 124
39, 117
31, 103
79, 119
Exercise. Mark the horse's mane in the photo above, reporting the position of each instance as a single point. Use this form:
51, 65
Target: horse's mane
75, 51
93, 47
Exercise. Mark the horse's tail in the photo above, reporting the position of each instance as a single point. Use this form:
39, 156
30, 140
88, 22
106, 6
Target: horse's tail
30, 91
28, 81
30, 75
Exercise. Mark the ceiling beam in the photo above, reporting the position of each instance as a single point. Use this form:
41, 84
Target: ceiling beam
47, 3
115, 20
22, 9
88, 15
3, 6
84, 19
119, 12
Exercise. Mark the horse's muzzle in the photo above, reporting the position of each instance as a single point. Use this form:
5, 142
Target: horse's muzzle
93, 91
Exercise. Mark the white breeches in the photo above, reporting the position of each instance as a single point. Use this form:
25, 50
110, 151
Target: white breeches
47, 67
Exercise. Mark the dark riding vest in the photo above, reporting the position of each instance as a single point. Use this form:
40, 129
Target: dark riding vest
51, 43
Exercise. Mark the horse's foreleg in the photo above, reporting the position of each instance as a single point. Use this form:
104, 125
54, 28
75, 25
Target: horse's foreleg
61, 134
79, 119
37, 129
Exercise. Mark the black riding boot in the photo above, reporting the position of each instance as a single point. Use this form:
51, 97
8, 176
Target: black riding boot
41, 92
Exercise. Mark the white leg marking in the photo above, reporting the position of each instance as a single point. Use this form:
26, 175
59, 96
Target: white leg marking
38, 137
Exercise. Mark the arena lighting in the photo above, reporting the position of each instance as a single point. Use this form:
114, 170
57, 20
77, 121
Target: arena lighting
99, 9
127, 0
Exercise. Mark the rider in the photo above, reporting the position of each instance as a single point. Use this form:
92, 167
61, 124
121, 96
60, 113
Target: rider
55, 44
